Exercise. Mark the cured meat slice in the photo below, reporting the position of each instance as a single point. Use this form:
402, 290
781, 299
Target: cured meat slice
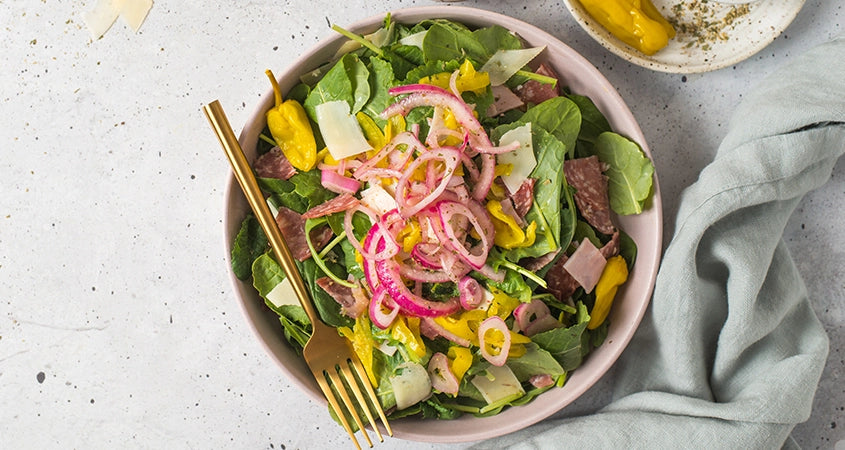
504, 100
340, 203
611, 248
536, 92
524, 197
584, 174
274, 164
586, 265
292, 226
560, 282
350, 305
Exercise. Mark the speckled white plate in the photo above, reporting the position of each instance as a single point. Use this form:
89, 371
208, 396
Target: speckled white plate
710, 35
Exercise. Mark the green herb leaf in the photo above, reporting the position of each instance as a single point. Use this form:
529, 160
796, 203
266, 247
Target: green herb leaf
630, 173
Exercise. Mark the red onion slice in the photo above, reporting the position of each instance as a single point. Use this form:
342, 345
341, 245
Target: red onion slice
380, 301
450, 212
534, 317
442, 378
338, 183
450, 157
489, 324
471, 294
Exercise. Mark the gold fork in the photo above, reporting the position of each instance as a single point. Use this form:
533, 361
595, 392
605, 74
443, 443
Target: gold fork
329, 355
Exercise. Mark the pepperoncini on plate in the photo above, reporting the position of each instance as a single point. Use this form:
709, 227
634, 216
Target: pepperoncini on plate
638, 23
291, 130
615, 273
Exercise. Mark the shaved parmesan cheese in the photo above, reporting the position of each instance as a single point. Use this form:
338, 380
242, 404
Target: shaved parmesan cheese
102, 17
497, 383
522, 159
504, 63
134, 12
340, 130
411, 384
282, 294
105, 12
378, 199
414, 40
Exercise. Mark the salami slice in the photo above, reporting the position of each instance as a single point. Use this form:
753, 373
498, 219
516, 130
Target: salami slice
536, 92
344, 296
560, 282
340, 203
584, 174
274, 164
524, 197
292, 226
611, 248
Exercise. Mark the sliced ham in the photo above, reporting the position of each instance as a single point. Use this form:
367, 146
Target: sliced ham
351, 305
585, 175
340, 203
274, 164
503, 100
586, 265
535, 92
292, 226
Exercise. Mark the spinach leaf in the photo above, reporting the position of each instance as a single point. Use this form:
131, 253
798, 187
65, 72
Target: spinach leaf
560, 117
593, 123
381, 80
295, 325
445, 42
249, 244
630, 174
325, 305
565, 344
308, 186
535, 361
546, 209
496, 38
266, 275
628, 249
348, 80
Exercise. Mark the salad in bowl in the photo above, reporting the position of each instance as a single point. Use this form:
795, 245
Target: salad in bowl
459, 211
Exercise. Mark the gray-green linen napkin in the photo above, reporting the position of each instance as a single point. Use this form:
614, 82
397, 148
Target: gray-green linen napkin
730, 352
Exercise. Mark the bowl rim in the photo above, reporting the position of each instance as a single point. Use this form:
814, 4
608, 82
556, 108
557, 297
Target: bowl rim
515, 417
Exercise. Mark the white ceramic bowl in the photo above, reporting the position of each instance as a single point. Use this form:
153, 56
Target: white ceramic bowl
722, 42
646, 229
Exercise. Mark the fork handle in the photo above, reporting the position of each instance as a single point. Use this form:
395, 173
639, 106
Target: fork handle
255, 198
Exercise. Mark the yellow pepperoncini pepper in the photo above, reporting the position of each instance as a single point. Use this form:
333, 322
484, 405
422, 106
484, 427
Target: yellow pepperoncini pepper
502, 304
407, 331
494, 341
460, 360
291, 130
508, 233
361, 337
464, 324
410, 236
638, 23
615, 273
372, 132
468, 79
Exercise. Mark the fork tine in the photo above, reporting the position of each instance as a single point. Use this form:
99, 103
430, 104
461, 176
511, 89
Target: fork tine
350, 405
365, 381
327, 390
352, 382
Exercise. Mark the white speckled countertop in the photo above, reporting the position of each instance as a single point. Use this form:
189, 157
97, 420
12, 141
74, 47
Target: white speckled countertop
118, 325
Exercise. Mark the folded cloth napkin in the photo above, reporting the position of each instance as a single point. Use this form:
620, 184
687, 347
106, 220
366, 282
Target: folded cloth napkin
730, 353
